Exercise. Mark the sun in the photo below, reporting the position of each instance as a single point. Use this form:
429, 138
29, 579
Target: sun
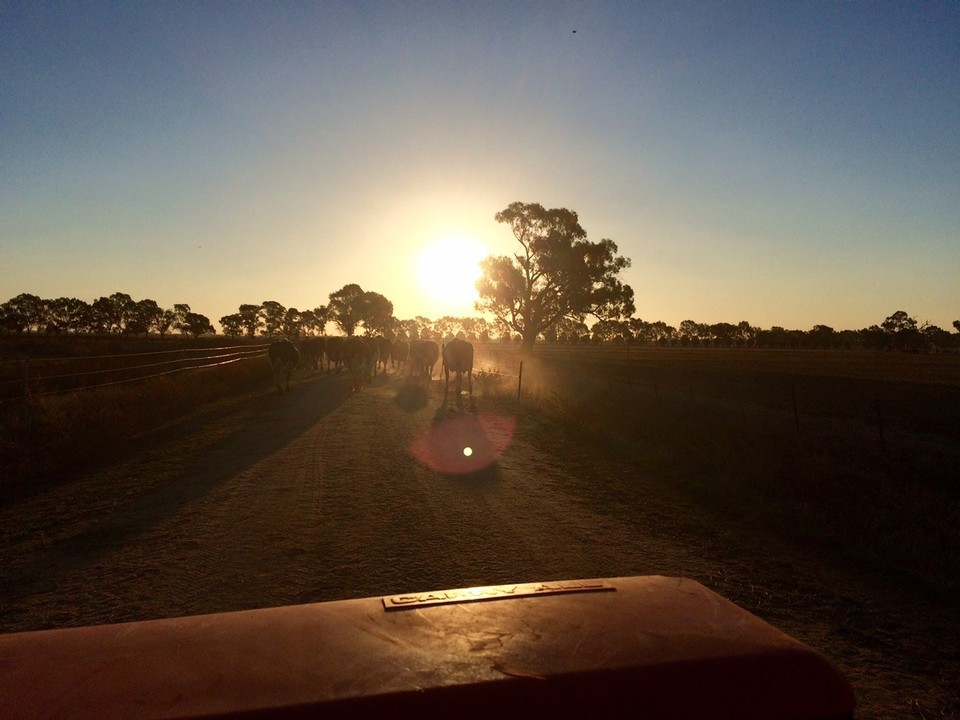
447, 271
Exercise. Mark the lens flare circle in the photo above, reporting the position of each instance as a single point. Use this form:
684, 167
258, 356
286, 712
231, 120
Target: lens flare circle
464, 444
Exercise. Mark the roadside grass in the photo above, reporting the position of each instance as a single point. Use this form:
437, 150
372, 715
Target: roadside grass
730, 441
49, 439
822, 479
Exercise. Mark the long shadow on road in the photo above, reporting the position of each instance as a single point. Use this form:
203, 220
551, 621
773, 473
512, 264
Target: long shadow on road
265, 425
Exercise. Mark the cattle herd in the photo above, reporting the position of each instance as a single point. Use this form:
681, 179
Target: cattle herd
364, 357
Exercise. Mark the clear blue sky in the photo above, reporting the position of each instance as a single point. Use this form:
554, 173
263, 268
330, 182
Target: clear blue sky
783, 163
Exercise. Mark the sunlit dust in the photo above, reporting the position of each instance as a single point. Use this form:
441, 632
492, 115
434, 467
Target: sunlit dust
448, 270
465, 444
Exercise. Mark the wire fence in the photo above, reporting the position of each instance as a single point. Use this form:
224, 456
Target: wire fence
38, 377
881, 396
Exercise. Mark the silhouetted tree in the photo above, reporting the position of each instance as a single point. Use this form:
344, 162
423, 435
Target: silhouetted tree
111, 313
902, 332
610, 330
557, 274
24, 313
376, 313
67, 315
164, 321
409, 328
292, 323
747, 334
822, 336
425, 327
346, 308
273, 315
232, 325
690, 332
314, 322
723, 334
197, 325
936, 338
143, 316
251, 317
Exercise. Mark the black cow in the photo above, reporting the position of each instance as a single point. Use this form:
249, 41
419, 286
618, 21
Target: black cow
284, 359
458, 358
423, 356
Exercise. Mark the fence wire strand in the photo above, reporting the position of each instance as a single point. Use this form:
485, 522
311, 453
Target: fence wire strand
146, 377
215, 357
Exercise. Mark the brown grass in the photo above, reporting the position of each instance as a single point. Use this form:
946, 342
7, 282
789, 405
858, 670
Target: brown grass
846, 449
854, 450
47, 439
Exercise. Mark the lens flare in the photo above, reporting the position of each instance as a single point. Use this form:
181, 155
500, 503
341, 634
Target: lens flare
463, 445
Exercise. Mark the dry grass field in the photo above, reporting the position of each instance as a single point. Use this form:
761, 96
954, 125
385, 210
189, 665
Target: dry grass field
817, 490
857, 449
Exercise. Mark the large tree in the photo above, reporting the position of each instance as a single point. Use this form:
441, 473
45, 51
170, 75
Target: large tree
346, 308
196, 325
143, 315
273, 314
232, 325
351, 305
251, 318
557, 274
112, 313
377, 313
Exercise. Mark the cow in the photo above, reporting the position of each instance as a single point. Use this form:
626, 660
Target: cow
399, 353
423, 357
458, 358
371, 356
312, 349
284, 359
360, 356
353, 354
334, 351
383, 347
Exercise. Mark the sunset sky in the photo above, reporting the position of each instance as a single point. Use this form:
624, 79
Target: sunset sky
786, 164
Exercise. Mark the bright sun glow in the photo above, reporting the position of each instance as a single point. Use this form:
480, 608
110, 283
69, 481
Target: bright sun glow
448, 270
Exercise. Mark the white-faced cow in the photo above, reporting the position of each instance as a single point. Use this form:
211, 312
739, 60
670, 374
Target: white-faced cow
284, 358
458, 358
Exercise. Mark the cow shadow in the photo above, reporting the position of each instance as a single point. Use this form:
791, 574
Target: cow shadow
412, 395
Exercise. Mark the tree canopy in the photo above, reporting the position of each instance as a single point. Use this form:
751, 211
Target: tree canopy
351, 305
558, 274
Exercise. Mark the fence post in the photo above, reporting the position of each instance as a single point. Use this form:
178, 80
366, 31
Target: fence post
796, 415
880, 424
519, 381
26, 378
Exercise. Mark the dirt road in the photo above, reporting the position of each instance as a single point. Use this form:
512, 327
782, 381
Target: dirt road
322, 494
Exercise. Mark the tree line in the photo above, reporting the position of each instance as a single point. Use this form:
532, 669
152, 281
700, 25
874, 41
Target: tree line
112, 314
545, 292
352, 309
